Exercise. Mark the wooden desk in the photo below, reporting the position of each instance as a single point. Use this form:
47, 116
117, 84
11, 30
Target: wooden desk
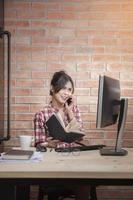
88, 167
89, 164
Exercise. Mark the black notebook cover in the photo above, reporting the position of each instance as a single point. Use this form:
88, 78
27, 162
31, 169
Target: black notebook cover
58, 132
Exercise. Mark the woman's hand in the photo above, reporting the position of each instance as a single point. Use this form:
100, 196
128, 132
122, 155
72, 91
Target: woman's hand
68, 109
52, 143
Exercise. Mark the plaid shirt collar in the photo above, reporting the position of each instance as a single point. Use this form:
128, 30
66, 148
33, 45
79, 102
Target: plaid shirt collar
50, 106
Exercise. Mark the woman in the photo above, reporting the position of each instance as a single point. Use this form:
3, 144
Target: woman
62, 89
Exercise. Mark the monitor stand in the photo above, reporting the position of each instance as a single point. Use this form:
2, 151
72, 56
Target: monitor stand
112, 152
117, 150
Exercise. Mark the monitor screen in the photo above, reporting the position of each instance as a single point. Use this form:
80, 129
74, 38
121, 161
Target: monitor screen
111, 109
108, 101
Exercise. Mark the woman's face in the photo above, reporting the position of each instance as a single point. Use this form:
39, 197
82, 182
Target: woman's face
64, 94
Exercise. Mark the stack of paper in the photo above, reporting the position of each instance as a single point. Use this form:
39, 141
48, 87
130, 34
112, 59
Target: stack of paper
15, 154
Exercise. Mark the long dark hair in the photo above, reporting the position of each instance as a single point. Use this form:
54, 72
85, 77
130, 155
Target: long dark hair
59, 80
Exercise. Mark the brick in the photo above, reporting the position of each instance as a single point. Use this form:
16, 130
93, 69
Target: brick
31, 66
23, 40
106, 58
61, 15
39, 92
19, 24
24, 117
21, 74
17, 6
40, 74
78, 58
120, 67
105, 42
59, 31
45, 24
11, 14
88, 117
90, 67
21, 125
33, 14
73, 24
55, 66
60, 50
29, 83
30, 33
46, 5
21, 92
45, 41
36, 107
20, 57
82, 91
30, 100
86, 83
123, 76
69, 41
91, 16
127, 92
20, 108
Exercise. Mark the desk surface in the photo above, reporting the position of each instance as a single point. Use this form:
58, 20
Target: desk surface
89, 164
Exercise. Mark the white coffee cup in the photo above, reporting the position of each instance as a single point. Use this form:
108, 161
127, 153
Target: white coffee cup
25, 141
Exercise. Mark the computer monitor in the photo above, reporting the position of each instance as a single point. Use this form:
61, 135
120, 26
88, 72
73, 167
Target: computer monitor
111, 109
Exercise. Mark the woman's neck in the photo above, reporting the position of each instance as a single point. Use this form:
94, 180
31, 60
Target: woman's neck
57, 105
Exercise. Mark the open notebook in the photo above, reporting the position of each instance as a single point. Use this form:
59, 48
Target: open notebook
58, 131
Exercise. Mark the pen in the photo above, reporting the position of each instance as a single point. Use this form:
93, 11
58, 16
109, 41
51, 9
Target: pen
80, 143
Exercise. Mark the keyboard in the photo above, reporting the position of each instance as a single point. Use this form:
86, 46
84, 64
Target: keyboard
80, 148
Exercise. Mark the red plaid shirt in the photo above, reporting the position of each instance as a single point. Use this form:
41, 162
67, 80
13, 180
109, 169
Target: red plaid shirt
40, 129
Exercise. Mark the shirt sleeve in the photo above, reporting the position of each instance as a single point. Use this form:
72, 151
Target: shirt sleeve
39, 128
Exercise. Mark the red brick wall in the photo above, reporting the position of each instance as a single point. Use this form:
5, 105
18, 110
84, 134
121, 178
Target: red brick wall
84, 37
